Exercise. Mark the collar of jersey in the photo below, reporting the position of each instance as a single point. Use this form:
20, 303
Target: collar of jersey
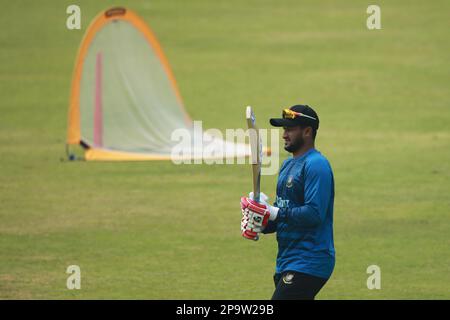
303, 156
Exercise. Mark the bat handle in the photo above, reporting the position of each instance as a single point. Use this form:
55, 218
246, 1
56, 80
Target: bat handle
256, 195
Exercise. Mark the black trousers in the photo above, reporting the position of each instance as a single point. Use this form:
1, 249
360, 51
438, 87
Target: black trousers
292, 285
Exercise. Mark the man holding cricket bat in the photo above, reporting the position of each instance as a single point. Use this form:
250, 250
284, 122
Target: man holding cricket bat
302, 215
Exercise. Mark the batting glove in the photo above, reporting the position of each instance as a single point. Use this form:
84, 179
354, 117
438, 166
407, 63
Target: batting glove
256, 215
246, 231
264, 199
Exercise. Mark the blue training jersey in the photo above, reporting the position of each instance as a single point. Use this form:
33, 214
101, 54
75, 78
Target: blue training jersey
304, 225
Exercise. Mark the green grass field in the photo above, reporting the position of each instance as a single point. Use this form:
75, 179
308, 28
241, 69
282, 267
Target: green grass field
155, 230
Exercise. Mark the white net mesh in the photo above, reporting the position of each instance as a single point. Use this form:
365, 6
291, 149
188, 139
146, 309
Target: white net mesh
138, 106
127, 101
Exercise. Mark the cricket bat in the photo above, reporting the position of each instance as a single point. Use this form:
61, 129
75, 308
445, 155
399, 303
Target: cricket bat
256, 151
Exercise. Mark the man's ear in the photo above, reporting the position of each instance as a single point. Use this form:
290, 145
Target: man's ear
308, 132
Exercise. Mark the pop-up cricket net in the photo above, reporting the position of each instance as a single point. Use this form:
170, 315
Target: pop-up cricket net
124, 102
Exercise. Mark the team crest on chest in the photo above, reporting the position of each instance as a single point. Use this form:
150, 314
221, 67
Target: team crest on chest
290, 182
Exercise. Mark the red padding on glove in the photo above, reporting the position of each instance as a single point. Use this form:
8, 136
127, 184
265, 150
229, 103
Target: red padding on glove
259, 208
244, 203
250, 235
256, 207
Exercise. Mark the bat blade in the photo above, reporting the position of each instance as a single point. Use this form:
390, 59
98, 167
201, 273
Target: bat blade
256, 151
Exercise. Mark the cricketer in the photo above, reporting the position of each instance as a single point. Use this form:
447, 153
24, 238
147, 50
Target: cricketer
302, 214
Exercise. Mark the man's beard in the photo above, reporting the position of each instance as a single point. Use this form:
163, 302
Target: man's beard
295, 145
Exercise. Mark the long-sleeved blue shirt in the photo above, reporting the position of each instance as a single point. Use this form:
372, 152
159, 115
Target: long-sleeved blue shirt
304, 225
